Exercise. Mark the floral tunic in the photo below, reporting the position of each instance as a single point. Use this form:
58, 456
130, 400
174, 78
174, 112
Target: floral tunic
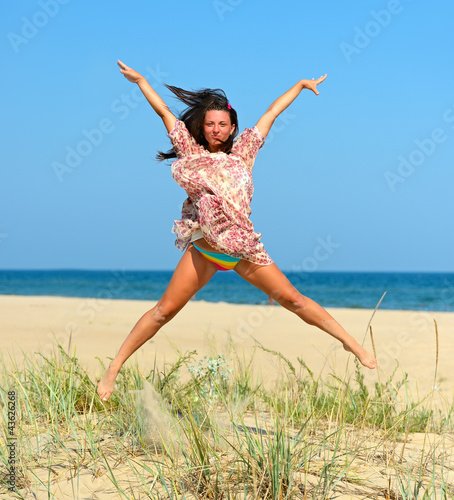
219, 188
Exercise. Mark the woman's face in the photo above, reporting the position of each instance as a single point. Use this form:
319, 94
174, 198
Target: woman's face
216, 128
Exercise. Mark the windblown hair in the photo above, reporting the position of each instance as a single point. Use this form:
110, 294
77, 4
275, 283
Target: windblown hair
198, 103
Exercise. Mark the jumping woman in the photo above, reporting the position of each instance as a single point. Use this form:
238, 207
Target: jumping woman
215, 232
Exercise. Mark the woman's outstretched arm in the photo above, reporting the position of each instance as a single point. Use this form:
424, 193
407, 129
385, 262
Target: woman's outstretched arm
266, 121
152, 97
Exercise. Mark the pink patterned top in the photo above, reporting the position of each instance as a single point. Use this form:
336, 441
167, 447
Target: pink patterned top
219, 188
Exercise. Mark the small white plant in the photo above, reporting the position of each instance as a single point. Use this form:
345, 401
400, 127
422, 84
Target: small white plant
210, 373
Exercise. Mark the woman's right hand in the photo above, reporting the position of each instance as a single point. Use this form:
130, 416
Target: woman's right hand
150, 94
129, 73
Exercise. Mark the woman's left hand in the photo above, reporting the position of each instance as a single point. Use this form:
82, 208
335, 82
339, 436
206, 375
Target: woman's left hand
312, 84
129, 73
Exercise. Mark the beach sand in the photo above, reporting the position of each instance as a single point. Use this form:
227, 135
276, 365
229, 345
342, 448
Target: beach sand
97, 327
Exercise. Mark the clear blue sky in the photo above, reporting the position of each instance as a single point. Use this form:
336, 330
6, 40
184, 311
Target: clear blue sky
359, 178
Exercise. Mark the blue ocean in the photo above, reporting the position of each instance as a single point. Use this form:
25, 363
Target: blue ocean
361, 290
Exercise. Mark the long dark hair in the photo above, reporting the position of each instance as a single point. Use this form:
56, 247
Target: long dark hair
198, 103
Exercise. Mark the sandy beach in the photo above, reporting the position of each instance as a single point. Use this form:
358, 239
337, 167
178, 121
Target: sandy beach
96, 328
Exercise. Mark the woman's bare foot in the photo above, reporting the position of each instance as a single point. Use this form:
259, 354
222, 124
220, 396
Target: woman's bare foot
107, 384
365, 357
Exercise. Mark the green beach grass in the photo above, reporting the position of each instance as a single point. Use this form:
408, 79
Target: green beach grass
207, 428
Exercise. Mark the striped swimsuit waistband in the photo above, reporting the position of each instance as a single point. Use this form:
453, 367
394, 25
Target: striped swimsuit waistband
222, 261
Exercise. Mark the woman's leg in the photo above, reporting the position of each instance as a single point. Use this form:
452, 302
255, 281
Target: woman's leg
191, 274
275, 284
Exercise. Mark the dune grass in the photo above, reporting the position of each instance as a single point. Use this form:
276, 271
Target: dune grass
207, 428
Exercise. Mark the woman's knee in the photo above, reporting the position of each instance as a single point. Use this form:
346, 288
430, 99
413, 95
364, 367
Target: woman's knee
290, 299
163, 312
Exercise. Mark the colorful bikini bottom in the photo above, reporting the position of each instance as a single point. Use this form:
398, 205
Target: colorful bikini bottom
222, 261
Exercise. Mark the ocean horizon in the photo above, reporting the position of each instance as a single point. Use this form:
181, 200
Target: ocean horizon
420, 291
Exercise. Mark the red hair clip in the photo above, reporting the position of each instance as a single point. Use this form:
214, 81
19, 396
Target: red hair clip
229, 106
